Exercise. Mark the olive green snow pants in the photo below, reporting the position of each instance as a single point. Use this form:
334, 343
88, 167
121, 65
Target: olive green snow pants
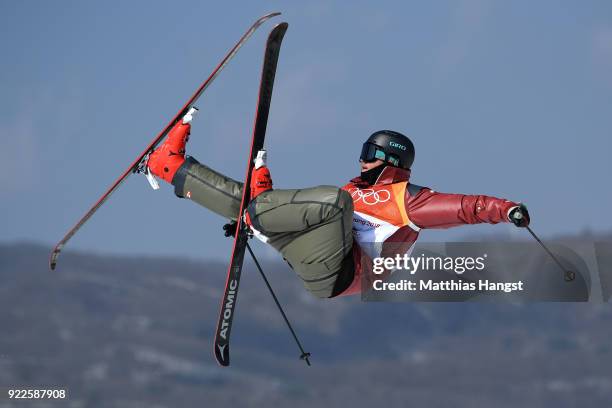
311, 227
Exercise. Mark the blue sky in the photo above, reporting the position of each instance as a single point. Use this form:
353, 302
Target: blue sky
511, 99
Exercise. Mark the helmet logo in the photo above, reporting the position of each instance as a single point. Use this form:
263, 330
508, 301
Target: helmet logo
397, 145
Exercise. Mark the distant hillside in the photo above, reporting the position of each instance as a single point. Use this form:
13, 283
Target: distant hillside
136, 332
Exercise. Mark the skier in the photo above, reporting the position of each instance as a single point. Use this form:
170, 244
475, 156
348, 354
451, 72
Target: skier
323, 232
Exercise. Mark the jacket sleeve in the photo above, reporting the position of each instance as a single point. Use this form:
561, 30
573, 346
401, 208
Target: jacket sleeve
430, 209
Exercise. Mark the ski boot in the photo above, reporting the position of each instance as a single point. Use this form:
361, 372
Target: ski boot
167, 158
261, 180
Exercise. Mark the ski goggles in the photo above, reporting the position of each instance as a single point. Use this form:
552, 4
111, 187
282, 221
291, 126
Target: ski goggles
371, 152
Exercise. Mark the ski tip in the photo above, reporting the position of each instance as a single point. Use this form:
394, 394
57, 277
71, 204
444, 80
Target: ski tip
266, 17
53, 258
281, 26
278, 32
52, 262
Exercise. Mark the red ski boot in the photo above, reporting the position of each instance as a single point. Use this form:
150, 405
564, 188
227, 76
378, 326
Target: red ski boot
260, 176
260, 182
168, 157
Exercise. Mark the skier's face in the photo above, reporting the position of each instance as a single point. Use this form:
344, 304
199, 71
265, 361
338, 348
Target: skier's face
367, 166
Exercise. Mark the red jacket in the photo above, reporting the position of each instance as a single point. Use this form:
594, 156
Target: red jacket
392, 212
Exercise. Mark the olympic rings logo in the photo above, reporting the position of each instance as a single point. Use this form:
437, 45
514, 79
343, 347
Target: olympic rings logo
370, 196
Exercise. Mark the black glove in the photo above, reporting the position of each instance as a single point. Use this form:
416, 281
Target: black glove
230, 229
519, 216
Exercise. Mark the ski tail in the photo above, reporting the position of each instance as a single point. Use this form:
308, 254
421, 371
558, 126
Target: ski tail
228, 302
136, 164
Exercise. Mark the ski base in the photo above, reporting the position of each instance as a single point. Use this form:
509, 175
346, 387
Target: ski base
228, 303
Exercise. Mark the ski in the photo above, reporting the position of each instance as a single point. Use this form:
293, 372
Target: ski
139, 165
228, 303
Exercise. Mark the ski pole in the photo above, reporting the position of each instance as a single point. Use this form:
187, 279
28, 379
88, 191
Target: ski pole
305, 356
567, 274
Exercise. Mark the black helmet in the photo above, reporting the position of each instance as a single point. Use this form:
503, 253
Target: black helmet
389, 146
